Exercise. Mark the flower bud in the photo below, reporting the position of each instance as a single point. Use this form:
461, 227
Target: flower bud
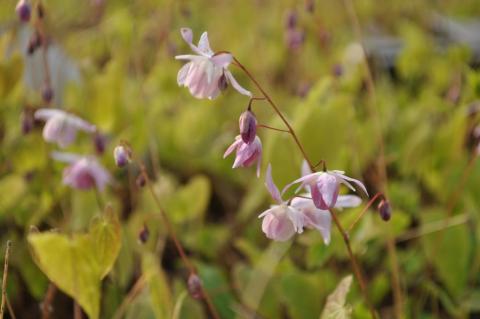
27, 121
121, 155
23, 10
141, 181
144, 234
291, 20
99, 141
47, 94
385, 210
248, 126
195, 286
310, 6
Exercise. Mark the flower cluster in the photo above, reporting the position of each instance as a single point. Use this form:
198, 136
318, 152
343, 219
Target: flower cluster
205, 75
84, 172
282, 221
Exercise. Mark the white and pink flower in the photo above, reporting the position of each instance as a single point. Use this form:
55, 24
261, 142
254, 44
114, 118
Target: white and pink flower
206, 73
246, 154
61, 127
84, 172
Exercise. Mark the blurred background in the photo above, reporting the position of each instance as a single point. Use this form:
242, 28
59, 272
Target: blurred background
112, 63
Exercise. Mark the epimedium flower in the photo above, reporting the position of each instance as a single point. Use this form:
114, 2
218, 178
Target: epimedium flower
280, 222
206, 74
61, 127
84, 172
320, 219
246, 153
325, 186
248, 126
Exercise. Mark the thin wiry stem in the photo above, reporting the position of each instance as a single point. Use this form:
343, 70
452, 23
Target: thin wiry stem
365, 209
276, 109
176, 241
381, 164
272, 128
4, 282
47, 301
355, 265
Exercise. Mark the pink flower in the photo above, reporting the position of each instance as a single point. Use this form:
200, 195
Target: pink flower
281, 221
321, 219
324, 187
61, 127
206, 73
246, 154
84, 172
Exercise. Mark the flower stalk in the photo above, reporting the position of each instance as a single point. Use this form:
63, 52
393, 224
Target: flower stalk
353, 260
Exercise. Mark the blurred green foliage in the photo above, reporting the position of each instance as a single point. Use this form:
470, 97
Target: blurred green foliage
124, 52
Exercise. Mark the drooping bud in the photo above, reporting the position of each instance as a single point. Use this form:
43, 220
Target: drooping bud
27, 120
144, 234
337, 70
195, 286
248, 126
47, 93
23, 10
310, 6
34, 42
291, 20
99, 142
222, 82
294, 39
121, 155
141, 181
385, 210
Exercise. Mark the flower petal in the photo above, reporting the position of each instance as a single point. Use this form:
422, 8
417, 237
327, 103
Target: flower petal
204, 45
307, 179
182, 73
271, 187
348, 201
47, 113
65, 157
232, 147
187, 35
235, 84
322, 221
222, 60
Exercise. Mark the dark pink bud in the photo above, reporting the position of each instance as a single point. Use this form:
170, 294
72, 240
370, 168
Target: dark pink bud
337, 70
248, 126
100, 142
385, 210
23, 10
195, 286
141, 181
144, 234
121, 155
47, 94
291, 19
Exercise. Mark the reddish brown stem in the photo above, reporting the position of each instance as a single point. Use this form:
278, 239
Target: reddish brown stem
272, 128
356, 268
365, 209
178, 245
275, 108
47, 301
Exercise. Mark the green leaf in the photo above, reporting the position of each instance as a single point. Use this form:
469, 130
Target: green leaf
77, 263
335, 308
160, 295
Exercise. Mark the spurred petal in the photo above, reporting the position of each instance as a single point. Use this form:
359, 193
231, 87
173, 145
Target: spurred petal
327, 185
65, 157
235, 84
348, 201
204, 45
271, 187
46, 114
233, 146
306, 168
322, 221
307, 179
356, 182
187, 35
222, 60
